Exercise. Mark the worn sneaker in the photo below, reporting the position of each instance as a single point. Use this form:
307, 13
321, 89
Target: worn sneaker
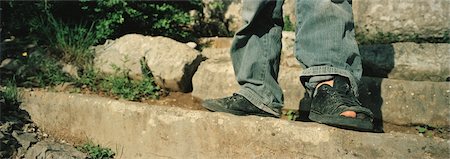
236, 104
329, 102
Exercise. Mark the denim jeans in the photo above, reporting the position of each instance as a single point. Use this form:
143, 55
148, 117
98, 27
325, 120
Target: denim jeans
325, 47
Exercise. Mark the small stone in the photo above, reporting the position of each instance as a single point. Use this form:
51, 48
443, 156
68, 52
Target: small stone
191, 45
71, 70
25, 139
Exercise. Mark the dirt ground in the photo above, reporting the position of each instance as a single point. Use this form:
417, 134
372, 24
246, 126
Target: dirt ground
178, 99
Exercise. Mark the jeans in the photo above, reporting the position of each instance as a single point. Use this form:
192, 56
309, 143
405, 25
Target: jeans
325, 46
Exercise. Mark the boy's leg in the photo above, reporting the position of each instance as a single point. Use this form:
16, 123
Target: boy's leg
327, 49
255, 54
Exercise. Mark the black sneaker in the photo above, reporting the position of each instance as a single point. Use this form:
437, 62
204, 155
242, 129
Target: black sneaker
236, 104
329, 102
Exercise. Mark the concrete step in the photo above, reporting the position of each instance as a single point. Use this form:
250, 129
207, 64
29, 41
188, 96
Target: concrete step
399, 102
403, 60
136, 130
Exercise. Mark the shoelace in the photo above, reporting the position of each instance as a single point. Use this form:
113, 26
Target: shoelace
348, 100
345, 96
234, 98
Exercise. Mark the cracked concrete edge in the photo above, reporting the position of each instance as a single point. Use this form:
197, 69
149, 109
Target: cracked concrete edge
137, 130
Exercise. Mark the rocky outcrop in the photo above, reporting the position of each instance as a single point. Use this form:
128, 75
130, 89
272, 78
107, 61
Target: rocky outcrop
404, 19
171, 63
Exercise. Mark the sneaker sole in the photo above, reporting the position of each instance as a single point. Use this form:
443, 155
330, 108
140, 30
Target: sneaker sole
217, 108
342, 122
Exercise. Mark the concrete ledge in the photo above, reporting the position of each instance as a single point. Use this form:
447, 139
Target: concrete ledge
137, 130
398, 102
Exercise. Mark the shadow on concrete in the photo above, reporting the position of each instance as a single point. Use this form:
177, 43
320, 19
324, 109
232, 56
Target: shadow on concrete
378, 61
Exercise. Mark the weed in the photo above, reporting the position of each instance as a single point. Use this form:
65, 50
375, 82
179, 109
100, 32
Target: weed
430, 131
96, 151
422, 129
10, 94
288, 25
89, 78
71, 44
386, 38
291, 115
119, 84
39, 70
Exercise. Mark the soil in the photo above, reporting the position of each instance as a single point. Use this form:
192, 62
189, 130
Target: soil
178, 99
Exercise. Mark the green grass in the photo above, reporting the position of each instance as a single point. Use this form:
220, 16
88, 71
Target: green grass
71, 43
10, 94
95, 151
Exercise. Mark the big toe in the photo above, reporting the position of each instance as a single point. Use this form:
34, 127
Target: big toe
349, 114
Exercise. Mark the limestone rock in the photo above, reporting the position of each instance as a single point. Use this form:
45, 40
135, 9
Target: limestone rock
53, 150
428, 19
191, 45
214, 79
172, 63
70, 69
25, 139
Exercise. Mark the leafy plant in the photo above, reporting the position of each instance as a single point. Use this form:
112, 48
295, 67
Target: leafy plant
426, 130
291, 115
386, 38
122, 86
212, 22
288, 26
40, 70
96, 151
164, 18
421, 129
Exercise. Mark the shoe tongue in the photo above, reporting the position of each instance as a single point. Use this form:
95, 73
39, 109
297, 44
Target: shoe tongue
341, 83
